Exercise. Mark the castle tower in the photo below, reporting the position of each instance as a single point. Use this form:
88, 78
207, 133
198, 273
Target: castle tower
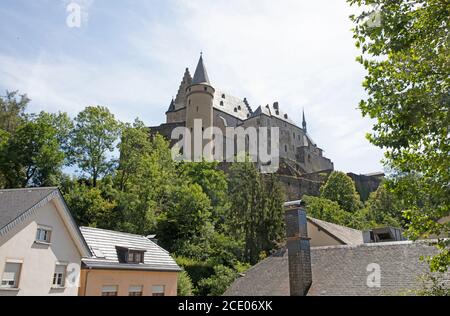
199, 103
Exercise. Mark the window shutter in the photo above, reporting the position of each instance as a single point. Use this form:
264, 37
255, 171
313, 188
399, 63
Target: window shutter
109, 288
158, 289
135, 288
11, 271
60, 269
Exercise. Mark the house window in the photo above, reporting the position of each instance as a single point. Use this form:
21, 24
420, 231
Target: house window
135, 256
10, 278
158, 290
59, 276
43, 235
135, 290
110, 290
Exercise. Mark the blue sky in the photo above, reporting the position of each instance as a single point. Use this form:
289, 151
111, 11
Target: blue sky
131, 55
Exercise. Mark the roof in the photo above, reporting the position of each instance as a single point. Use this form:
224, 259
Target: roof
342, 270
103, 245
200, 75
348, 236
14, 203
231, 105
17, 205
273, 111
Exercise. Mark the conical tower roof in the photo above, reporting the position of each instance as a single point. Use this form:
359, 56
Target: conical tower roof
200, 76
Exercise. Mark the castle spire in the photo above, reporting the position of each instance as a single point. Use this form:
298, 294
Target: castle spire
200, 76
304, 122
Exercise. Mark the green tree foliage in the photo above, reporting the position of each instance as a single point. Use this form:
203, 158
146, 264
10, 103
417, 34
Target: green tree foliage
327, 210
146, 177
92, 206
256, 215
218, 283
406, 56
12, 111
94, 136
385, 207
34, 153
184, 286
341, 189
185, 220
213, 183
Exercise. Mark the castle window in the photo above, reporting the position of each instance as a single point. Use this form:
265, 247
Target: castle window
189, 101
197, 108
235, 109
206, 88
239, 108
221, 103
294, 135
223, 96
285, 148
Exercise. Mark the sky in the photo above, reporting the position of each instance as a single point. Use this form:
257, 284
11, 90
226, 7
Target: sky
130, 56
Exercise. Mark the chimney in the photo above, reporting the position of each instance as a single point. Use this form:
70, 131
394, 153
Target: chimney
299, 253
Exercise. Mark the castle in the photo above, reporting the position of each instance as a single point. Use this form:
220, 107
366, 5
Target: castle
301, 160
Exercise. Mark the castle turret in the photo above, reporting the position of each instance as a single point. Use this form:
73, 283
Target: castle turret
304, 123
200, 95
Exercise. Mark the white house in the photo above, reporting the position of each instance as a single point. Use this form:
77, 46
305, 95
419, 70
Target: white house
40, 244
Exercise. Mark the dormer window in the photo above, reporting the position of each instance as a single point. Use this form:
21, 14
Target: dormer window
132, 256
135, 256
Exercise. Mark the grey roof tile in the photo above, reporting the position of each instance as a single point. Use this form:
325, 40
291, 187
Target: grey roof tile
342, 270
104, 242
15, 202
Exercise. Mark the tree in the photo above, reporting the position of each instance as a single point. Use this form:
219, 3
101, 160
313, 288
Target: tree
341, 189
91, 206
12, 110
34, 154
218, 283
185, 287
213, 182
384, 207
94, 136
146, 176
255, 215
406, 56
327, 210
185, 219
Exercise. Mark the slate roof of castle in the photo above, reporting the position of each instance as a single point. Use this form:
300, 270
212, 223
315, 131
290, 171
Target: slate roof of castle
200, 75
346, 235
271, 111
342, 270
104, 244
231, 105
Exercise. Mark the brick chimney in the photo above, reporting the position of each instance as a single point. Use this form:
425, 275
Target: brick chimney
299, 253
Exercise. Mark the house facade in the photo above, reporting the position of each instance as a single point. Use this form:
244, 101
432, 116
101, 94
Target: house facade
40, 244
126, 265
